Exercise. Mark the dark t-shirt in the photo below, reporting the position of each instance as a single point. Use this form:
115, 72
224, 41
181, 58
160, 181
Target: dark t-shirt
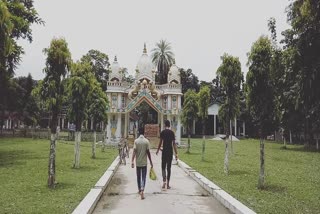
167, 136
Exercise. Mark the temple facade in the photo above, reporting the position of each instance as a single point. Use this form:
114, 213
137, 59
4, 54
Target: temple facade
124, 97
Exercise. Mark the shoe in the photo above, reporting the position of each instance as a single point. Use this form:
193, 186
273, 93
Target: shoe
164, 185
142, 195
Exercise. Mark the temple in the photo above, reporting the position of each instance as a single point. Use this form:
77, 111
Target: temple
125, 97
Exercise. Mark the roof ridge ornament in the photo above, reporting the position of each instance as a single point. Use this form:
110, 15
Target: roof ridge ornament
144, 48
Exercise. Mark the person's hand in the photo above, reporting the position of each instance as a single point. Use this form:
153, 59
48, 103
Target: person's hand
176, 156
157, 152
151, 165
132, 165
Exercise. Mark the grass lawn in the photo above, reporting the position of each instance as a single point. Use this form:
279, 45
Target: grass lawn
292, 174
24, 174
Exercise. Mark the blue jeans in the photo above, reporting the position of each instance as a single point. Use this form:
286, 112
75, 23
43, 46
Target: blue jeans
141, 177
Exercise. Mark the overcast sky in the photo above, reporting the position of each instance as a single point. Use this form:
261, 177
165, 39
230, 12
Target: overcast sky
199, 31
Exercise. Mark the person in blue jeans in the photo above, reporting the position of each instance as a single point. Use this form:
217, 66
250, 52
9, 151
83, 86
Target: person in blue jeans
140, 152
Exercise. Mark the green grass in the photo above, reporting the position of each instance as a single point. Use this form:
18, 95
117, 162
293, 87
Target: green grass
292, 174
24, 173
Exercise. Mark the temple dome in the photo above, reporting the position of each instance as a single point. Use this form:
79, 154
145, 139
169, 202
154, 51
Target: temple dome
145, 66
115, 71
174, 74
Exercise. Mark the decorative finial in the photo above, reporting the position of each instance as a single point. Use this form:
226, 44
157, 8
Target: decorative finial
144, 48
174, 61
115, 58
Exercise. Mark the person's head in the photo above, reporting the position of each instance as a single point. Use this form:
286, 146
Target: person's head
141, 130
167, 123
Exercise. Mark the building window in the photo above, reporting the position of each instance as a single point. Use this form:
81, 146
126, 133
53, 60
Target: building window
174, 102
165, 101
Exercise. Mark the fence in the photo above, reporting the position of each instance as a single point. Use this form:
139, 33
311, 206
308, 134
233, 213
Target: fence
45, 134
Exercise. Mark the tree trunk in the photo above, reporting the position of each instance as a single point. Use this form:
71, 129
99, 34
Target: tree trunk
317, 144
94, 144
77, 150
52, 162
189, 135
261, 174
284, 142
231, 136
203, 138
203, 146
104, 143
226, 156
290, 137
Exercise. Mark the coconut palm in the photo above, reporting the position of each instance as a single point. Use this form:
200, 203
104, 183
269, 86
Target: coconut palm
163, 58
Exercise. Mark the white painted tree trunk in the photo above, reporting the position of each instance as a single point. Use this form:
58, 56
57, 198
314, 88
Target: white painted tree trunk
226, 156
290, 137
261, 174
203, 146
94, 144
52, 162
77, 150
284, 143
231, 137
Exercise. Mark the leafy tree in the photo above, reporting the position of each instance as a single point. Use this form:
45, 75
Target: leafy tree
231, 78
189, 112
260, 94
27, 108
189, 80
51, 90
79, 87
203, 103
16, 18
100, 65
163, 58
98, 105
217, 90
303, 40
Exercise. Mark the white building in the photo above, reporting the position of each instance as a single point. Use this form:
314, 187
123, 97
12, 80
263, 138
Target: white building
124, 97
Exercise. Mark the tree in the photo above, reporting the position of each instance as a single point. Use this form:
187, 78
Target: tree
79, 87
189, 112
260, 94
100, 65
303, 38
98, 105
189, 80
16, 18
231, 78
51, 90
163, 58
203, 103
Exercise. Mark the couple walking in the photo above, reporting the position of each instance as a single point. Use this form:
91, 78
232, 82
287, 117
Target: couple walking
141, 150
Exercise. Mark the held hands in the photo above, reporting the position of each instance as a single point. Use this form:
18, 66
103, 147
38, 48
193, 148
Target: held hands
132, 165
177, 157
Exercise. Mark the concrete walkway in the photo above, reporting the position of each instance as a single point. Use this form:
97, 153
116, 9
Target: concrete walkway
185, 196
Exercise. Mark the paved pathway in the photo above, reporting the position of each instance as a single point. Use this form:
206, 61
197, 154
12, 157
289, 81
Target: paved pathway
185, 196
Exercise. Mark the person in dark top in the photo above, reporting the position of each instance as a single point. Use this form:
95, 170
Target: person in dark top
167, 140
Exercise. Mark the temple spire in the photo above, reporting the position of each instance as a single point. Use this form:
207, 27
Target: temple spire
115, 58
144, 48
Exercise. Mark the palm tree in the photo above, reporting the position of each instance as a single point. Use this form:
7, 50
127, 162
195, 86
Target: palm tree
51, 90
163, 58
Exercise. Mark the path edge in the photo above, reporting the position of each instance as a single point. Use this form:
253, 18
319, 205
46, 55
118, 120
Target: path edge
223, 197
89, 202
